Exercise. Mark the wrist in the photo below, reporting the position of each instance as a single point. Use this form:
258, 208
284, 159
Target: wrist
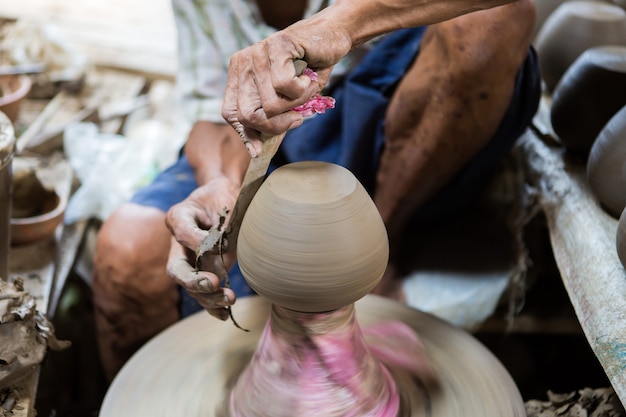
215, 151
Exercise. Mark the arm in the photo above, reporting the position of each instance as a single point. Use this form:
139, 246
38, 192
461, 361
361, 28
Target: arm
262, 83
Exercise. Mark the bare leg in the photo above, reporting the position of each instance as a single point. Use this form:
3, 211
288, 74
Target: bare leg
447, 107
133, 296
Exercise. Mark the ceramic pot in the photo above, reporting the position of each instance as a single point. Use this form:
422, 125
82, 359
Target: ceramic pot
312, 239
591, 91
620, 3
13, 90
621, 238
572, 28
606, 166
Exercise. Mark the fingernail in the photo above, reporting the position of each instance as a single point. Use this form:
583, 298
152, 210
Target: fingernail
205, 285
223, 301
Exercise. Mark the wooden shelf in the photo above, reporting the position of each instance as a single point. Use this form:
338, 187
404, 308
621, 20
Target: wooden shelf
582, 236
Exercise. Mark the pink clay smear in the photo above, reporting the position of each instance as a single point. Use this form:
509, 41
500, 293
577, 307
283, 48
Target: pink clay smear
316, 104
321, 366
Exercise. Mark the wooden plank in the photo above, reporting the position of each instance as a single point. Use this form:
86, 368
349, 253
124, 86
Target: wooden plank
136, 35
583, 241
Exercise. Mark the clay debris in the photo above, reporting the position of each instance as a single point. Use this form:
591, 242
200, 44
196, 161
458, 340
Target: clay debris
588, 402
25, 334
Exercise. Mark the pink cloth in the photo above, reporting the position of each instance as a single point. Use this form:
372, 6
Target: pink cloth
316, 104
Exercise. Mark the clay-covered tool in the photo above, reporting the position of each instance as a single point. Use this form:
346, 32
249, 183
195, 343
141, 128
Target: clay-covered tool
223, 239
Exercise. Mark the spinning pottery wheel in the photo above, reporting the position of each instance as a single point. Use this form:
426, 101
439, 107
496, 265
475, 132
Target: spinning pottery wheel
312, 244
186, 370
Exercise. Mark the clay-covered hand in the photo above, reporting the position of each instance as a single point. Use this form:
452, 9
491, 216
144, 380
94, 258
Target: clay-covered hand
189, 221
264, 86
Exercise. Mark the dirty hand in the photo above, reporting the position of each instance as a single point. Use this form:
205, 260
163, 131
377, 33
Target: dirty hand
207, 207
263, 86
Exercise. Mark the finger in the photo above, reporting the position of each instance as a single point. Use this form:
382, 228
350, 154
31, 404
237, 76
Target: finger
183, 273
184, 220
256, 94
280, 87
223, 297
219, 313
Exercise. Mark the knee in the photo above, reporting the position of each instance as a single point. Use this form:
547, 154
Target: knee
132, 244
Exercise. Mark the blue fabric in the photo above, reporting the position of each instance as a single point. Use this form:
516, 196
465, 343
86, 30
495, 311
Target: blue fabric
356, 142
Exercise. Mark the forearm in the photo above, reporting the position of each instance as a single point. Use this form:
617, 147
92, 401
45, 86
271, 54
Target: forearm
215, 150
362, 20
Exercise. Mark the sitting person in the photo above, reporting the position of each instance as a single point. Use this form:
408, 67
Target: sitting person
429, 98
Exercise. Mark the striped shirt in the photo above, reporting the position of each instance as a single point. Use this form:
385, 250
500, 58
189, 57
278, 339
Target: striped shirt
209, 32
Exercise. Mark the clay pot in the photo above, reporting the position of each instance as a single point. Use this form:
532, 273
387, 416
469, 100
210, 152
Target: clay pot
312, 239
621, 238
591, 91
572, 28
606, 166
36, 211
13, 90
620, 3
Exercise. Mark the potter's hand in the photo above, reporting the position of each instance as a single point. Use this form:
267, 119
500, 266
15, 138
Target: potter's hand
263, 85
189, 221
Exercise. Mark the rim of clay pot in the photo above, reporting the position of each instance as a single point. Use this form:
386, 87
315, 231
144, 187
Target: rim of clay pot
40, 218
594, 10
612, 57
21, 92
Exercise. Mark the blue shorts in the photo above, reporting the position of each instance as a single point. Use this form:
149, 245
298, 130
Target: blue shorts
356, 142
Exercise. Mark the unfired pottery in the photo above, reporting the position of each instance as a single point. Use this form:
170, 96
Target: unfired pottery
591, 91
36, 211
621, 238
572, 28
544, 8
13, 90
606, 166
312, 239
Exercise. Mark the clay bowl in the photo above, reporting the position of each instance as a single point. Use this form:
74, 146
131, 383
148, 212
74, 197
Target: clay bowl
312, 239
591, 91
606, 166
34, 228
36, 211
572, 28
544, 9
621, 238
13, 90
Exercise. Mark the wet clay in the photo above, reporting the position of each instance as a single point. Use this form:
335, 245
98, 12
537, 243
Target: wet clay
312, 239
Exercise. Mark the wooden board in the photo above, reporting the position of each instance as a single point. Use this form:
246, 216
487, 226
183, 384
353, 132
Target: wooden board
136, 35
583, 241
